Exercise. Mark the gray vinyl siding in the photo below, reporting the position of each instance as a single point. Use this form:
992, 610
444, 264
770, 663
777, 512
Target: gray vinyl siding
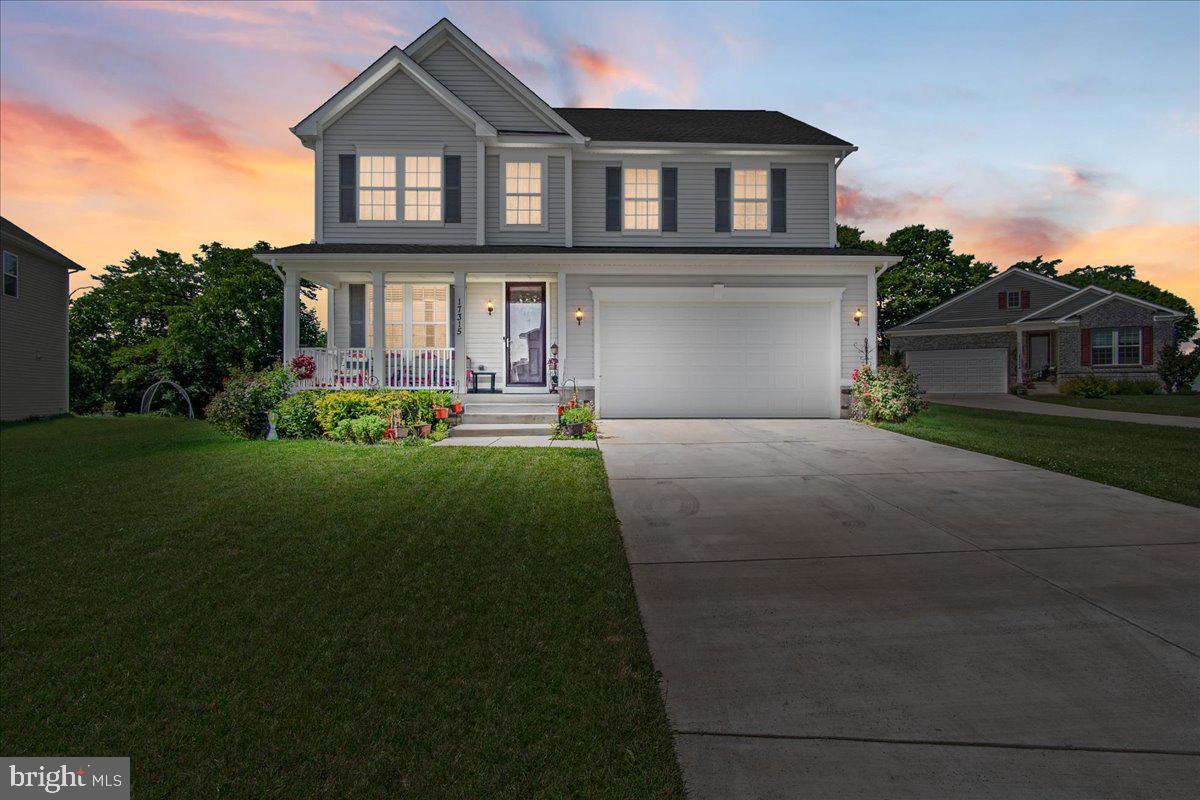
1082, 298
33, 339
397, 115
982, 308
478, 90
554, 203
580, 361
807, 208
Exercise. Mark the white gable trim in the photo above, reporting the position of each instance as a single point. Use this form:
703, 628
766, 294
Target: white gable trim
1044, 309
393, 61
1008, 273
1120, 296
445, 32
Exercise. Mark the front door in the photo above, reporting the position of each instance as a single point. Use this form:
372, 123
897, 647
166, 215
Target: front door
525, 333
1039, 352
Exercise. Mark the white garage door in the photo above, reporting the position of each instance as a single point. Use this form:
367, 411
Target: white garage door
725, 359
960, 371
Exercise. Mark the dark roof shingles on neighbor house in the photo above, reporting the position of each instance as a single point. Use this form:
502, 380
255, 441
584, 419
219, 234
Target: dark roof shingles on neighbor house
384, 248
12, 230
699, 126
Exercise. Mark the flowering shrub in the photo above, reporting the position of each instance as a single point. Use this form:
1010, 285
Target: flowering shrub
581, 414
304, 366
888, 394
242, 404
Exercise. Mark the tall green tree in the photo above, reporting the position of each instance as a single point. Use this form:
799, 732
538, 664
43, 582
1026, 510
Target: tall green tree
193, 322
1040, 266
1123, 278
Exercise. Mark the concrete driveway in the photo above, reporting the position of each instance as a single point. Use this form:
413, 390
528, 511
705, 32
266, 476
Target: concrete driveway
843, 612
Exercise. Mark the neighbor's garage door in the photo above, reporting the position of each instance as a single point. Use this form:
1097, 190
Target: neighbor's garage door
960, 371
725, 359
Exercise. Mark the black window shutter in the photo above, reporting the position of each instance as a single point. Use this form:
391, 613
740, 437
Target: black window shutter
670, 193
779, 200
723, 192
347, 188
358, 315
452, 188
612, 198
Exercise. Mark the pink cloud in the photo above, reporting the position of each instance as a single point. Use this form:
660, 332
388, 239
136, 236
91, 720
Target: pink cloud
603, 76
29, 122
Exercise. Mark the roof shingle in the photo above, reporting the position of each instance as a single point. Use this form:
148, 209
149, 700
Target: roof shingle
701, 126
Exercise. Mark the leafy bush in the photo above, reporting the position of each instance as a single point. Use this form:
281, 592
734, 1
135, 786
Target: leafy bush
1137, 386
888, 394
336, 407
440, 431
367, 429
1089, 385
579, 414
1177, 369
241, 406
410, 407
298, 416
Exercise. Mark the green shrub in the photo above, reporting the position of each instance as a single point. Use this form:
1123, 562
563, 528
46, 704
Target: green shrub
241, 406
1137, 386
367, 429
336, 407
1089, 385
438, 432
889, 394
1177, 369
298, 416
413, 407
579, 414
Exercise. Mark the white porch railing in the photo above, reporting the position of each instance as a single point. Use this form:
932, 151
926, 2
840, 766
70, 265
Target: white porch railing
405, 368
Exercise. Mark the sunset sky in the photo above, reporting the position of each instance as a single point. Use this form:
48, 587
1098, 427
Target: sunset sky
1071, 131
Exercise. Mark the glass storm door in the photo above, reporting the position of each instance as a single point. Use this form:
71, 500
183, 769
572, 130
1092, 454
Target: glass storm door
525, 333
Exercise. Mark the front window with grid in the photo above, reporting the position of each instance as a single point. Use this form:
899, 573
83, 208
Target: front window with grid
1012, 299
377, 188
1116, 346
422, 188
522, 193
393, 320
749, 199
641, 199
430, 316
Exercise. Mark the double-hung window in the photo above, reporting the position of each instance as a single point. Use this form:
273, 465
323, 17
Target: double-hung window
750, 200
1012, 299
1112, 346
422, 188
524, 203
377, 188
641, 198
400, 188
10, 274
426, 315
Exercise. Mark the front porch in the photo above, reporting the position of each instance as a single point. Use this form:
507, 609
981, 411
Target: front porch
448, 331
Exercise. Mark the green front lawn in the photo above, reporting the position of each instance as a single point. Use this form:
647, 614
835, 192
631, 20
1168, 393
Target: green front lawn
305, 619
1181, 405
1152, 459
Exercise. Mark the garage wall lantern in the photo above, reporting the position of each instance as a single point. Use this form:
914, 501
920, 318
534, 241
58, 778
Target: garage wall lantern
490, 307
578, 315
858, 316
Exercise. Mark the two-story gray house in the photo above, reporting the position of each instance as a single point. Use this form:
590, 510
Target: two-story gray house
667, 262
1020, 325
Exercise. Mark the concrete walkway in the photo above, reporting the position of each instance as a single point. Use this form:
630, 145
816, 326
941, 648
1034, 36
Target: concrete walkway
1008, 402
843, 612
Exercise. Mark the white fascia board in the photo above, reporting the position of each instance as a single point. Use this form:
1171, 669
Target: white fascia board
394, 60
717, 293
598, 151
445, 31
1008, 273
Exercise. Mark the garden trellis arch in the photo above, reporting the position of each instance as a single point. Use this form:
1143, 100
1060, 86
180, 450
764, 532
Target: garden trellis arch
148, 396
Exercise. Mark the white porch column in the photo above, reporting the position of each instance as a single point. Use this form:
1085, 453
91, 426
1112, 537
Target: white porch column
561, 291
872, 324
378, 312
1020, 357
291, 315
330, 313
459, 320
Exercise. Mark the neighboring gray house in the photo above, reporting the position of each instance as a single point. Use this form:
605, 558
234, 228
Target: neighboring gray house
678, 262
33, 326
1020, 325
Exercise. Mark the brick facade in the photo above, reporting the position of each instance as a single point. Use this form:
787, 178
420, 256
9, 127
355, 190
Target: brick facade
1114, 314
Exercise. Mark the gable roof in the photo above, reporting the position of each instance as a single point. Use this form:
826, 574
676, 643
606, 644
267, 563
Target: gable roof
1122, 297
1071, 302
393, 61
1008, 273
697, 126
445, 31
11, 230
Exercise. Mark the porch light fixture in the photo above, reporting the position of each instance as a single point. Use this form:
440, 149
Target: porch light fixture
579, 315
858, 316
490, 307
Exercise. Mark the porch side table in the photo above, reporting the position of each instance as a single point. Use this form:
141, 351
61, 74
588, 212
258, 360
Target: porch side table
491, 376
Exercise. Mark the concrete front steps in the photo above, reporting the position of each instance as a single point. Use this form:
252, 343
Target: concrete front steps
507, 415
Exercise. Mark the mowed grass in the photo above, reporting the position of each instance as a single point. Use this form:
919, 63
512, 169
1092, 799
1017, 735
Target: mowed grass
1181, 405
1152, 459
305, 619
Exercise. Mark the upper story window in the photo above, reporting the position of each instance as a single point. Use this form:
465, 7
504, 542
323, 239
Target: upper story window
377, 188
1116, 346
750, 199
422, 188
10, 274
641, 197
523, 193
1013, 299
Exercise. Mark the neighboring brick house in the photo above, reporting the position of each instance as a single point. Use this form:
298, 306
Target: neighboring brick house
1021, 325
33, 326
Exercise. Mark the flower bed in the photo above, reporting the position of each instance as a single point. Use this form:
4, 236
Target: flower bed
888, 394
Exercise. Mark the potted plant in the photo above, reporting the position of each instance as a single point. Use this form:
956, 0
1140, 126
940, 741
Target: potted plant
575, 422
397, 429
456, 405
441, 412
